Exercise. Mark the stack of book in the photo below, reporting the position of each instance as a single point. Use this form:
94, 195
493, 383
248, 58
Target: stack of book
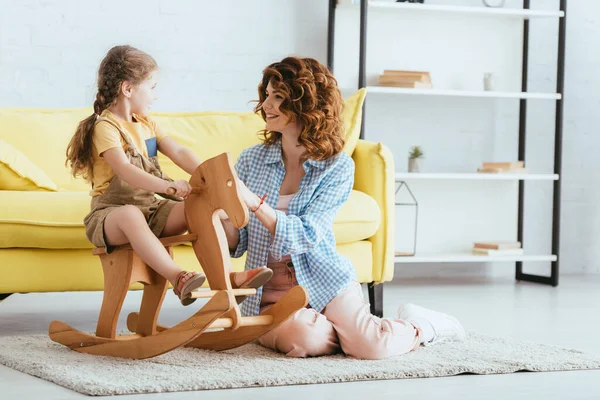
405, 79
514, 167
497, 248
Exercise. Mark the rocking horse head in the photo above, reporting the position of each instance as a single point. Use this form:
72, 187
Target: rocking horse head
215, 181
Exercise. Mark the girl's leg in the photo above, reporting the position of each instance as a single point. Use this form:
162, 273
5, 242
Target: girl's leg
127, 224
176, 224
363, 335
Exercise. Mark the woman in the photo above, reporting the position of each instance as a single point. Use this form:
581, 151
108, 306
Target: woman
294, 183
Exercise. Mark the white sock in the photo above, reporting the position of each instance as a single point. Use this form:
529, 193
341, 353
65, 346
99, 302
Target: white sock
427, 332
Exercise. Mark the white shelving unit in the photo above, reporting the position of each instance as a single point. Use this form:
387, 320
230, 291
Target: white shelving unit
386, 10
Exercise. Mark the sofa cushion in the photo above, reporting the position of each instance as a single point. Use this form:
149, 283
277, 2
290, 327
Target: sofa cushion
353, 119
54, 220
49, 220
208, 134
17, 172
358, 219
43, 135
212, 133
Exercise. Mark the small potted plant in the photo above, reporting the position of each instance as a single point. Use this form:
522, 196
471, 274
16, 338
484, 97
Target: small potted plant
414, 159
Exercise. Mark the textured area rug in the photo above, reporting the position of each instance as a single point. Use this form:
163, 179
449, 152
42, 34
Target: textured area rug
252, 365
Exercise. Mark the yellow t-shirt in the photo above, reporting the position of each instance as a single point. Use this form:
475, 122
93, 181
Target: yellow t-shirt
142, 133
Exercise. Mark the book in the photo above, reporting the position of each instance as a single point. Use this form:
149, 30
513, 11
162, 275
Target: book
383, 78
413, 85
504, 165
405, 79
502, 170
497, 245
491, 252
414, 75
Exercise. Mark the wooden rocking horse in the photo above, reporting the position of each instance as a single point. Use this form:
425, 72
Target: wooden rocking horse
213, 188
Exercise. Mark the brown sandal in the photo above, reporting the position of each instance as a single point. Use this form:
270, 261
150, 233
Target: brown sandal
255, 281
194, 282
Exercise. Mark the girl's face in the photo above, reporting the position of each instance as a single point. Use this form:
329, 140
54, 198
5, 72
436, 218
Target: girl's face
142, 95
276, 121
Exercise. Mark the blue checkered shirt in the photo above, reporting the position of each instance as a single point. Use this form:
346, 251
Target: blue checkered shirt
306, 231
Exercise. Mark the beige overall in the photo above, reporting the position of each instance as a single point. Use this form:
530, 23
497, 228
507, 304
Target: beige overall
120, 193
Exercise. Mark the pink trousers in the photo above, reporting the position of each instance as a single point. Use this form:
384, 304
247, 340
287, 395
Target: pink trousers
346, 325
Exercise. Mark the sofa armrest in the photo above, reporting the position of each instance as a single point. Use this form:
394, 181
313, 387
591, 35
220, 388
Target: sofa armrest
374, 175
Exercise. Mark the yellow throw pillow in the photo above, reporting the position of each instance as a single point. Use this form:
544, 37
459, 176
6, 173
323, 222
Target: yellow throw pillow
17, 172
352, 117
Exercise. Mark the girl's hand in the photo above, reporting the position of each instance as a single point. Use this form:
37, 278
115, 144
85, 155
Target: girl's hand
182, 188
252, 200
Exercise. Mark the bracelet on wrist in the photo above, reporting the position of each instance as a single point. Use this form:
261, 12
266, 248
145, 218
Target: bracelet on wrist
262, 200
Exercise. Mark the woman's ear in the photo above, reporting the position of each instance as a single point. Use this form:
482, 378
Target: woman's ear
126, 88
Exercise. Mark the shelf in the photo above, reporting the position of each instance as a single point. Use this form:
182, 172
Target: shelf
482, 11
468, 257
413, 176
463, 93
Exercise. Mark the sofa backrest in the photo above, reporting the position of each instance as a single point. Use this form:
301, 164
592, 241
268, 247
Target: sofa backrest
43, 135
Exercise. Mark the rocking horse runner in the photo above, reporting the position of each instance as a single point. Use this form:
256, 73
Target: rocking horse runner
214, 187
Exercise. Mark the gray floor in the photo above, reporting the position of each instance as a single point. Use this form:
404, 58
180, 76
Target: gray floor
566, 316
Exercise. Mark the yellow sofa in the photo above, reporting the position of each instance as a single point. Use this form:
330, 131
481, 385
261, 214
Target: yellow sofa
43, 246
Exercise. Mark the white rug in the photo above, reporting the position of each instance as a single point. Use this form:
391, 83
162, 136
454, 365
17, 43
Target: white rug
252, 365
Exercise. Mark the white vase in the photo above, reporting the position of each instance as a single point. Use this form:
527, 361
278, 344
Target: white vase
488, 82
414, 165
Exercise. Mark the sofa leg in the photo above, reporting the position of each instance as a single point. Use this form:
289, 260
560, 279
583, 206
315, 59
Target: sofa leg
4, 295
376, 298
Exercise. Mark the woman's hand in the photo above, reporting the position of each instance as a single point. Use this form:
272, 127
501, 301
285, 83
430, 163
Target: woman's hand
252, 200
182, 188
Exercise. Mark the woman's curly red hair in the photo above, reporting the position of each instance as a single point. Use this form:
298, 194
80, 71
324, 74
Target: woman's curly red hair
312, 98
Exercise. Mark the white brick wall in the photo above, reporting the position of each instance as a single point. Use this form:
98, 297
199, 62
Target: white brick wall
581, 182
211, 55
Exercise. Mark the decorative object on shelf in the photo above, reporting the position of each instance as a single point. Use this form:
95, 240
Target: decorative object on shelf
516, 167
405, 79
414, 159
488, 82
497, 248
404, 232
494, 3
410, 1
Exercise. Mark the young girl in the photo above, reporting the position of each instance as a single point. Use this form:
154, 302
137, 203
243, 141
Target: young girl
306, 178
115, 149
